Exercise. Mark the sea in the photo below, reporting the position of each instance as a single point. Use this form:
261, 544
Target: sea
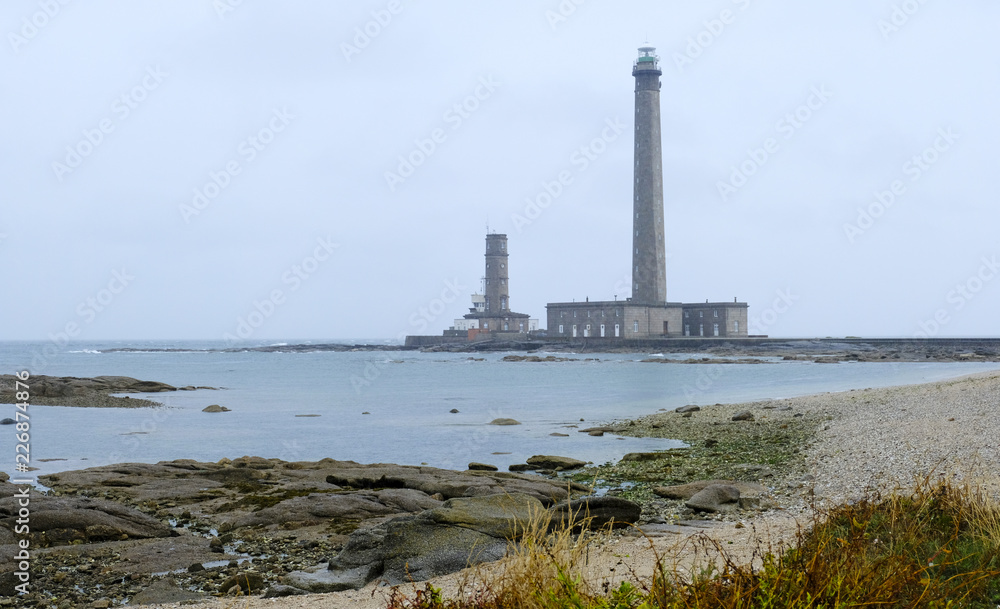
393, 406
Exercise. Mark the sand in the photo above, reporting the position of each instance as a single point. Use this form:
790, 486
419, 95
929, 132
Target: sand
874, 439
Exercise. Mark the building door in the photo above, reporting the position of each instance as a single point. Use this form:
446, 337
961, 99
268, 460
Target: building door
602, 330
586, 331
665, 328
618, 330
574, 330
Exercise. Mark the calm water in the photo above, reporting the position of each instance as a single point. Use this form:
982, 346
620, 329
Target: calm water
408, 395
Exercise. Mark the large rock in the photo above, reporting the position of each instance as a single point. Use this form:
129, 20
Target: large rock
595, 513
686, 491
313, 509
502, 516
554, 462
321, 507
715, 498
448, 483
57, 520
460, 533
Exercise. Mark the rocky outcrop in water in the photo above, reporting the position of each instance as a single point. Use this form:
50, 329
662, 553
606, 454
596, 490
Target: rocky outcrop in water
92, 392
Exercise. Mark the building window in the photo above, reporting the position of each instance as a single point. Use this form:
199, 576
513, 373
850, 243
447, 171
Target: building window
687, 314
487, 303
503, 246
618, 312
503, 282
521, 327
486, 325
503, 266
588, 313
586, 331
562, 329
603, 313
602, 330
701, 313
487, 265
635, 326
715, 329
715, 313
574, 313
617, 330
506, 326
736, 327
503, 303
701, 329
487, 281
687, 329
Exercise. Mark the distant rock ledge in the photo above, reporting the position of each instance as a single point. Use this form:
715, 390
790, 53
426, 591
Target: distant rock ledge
86, 392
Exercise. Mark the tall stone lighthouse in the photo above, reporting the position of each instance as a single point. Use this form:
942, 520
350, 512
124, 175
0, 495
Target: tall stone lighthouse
649, 270
647, 314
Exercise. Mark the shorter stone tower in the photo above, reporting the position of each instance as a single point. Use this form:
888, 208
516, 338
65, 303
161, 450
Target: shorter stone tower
491, 314
496, 286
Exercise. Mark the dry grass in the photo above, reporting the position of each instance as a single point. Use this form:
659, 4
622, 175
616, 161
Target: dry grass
936, 547
546, 566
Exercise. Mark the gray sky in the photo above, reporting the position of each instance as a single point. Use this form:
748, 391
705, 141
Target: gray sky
781, 119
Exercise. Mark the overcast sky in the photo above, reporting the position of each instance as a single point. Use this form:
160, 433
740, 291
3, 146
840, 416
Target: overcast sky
171, 167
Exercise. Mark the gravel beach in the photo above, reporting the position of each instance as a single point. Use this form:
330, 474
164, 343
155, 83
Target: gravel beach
874, 439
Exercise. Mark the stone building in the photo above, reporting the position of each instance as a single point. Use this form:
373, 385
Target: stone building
647, 314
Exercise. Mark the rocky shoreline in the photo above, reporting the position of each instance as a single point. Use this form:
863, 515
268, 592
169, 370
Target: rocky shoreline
183, 531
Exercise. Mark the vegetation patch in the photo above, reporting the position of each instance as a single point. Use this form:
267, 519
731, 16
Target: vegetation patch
343, 526
939, 547
718, 448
